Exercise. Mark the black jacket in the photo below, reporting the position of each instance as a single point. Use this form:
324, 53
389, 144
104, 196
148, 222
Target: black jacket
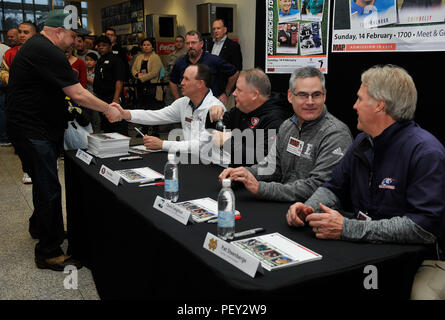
270, 115
231, 52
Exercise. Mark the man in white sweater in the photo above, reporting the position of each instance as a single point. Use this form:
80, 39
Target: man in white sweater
191, 110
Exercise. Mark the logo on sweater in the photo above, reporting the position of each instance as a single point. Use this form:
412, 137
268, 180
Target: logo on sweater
387, 183
254, 121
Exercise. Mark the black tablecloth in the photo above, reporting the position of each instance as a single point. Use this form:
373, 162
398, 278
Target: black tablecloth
135, 251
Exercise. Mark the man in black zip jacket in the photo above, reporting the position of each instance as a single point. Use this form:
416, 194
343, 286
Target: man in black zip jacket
254, 122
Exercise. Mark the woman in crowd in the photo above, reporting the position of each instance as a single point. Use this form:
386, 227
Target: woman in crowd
147, 69
78, 66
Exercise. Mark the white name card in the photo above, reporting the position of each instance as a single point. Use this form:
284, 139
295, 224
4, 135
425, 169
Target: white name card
233, 255
110, 175
171, 209
85, 157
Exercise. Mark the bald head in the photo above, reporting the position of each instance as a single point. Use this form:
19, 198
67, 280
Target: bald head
13, 37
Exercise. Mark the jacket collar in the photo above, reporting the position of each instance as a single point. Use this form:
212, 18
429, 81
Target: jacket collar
196, 107
381, 142
220, 41
257, 110
386, 137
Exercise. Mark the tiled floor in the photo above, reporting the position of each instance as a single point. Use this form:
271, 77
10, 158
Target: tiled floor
20, 279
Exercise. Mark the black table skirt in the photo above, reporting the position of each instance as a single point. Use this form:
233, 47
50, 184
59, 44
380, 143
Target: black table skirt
137, 252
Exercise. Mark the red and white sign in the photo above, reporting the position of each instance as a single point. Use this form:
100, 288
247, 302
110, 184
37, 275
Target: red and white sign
166, 47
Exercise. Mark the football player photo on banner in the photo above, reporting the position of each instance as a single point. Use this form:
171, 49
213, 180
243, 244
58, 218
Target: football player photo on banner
312, 10
288, 10
297, 35
388, 25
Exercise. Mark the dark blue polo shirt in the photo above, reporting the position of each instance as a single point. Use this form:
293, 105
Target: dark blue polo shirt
221, 70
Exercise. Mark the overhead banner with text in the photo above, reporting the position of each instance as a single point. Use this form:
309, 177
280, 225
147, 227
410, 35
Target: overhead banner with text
388, 25
297, 34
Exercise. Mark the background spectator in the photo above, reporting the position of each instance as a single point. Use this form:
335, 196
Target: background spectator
78, 66
170, 63
93, 115
147, 68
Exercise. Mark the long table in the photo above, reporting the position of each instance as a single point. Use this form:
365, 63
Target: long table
135, 251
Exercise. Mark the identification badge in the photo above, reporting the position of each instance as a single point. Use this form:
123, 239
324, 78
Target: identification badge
295, 146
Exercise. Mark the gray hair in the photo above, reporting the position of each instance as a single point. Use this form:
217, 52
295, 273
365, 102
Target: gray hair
393, 85
306, 72
256, 78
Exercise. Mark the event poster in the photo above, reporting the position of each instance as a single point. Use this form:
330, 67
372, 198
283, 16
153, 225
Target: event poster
372, 13
388, 25
296, 35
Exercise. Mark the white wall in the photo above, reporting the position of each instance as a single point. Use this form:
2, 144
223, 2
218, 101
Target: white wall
185, 10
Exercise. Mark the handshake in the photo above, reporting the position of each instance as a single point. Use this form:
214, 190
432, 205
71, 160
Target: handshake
115, 113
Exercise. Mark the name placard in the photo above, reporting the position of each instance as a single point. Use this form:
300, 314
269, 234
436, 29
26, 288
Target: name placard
85, 157
110, 175
233, 255
171, 209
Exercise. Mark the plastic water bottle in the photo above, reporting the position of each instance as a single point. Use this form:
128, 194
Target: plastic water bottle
171, 187
226, 211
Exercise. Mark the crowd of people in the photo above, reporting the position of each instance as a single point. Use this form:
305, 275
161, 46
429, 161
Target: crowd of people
386, 185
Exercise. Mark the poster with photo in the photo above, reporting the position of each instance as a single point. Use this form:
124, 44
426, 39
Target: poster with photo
283, 50
310, 38
419, 26
421, 11
287, 38
372, 13
274, 251
288, 10
312, 10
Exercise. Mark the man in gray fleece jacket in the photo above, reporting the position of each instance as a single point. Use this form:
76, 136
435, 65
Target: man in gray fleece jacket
307, 147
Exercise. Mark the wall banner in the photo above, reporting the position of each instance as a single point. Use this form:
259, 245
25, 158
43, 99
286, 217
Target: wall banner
297, 35
388, 25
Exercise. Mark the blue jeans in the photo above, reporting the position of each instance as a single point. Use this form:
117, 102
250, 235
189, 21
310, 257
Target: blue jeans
3, 136
39, 157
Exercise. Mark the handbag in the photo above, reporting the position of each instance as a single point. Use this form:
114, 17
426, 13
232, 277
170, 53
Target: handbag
147, 89
76, 136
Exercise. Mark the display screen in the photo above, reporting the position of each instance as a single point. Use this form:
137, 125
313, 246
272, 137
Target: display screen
166, 27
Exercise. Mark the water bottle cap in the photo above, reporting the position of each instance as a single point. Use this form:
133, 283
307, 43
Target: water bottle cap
226, 183
171, 157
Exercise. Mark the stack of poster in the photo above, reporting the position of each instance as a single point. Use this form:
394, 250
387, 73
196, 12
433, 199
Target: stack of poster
296, 30
276, 251
135, 175
106, 145
388, 25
